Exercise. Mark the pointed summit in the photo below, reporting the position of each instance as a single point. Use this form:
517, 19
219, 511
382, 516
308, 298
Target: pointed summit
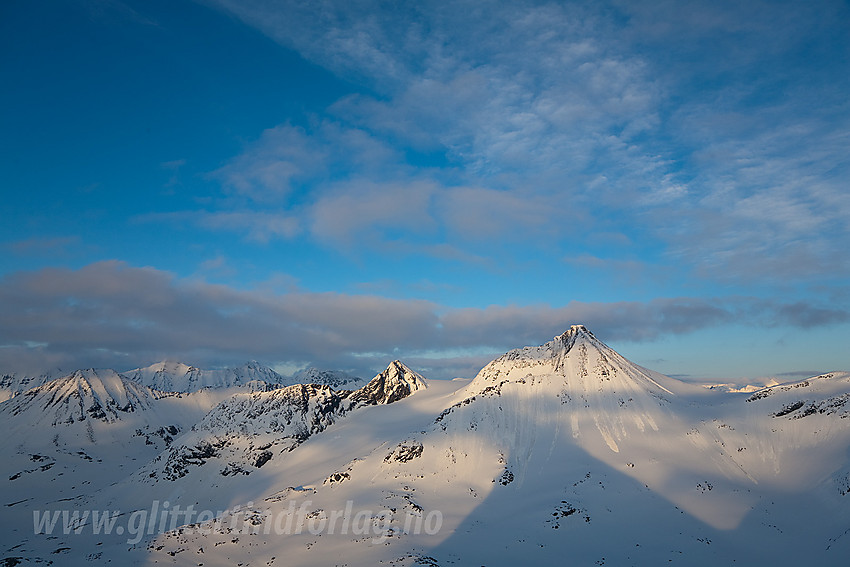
575, 362
393, 384
575, 333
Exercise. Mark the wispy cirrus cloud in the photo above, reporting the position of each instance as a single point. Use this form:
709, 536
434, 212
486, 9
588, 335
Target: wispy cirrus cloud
367, 213
728, 149
362, 194
270, 168
520, 126
47, 246
254, 225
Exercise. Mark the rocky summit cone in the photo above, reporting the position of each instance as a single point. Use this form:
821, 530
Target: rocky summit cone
393, 384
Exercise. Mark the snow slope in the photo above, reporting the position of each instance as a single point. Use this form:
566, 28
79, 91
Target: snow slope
81, 433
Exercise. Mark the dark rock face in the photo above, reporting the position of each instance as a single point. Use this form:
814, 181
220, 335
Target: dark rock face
393, 384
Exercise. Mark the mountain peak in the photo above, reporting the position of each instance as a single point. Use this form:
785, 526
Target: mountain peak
573, 362
567, 339
396, 382
398, 373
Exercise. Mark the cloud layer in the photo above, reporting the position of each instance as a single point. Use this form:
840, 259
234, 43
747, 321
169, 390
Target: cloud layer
113, 314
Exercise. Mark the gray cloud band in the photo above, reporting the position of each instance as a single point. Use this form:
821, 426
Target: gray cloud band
112, 314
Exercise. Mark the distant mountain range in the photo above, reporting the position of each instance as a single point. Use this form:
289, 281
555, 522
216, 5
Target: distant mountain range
178, 377
560, 454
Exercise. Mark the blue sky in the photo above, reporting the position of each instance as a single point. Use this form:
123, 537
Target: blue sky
344, 183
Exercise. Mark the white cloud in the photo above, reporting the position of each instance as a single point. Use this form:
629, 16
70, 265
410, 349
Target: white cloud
49, 246
359, 213
267, 170
480, 214
255, 226
259, 226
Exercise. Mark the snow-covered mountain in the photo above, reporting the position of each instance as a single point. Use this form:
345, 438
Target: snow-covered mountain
246, 431
87, 430
104, 395
170, 376
565, 453
336, 379
179, 377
